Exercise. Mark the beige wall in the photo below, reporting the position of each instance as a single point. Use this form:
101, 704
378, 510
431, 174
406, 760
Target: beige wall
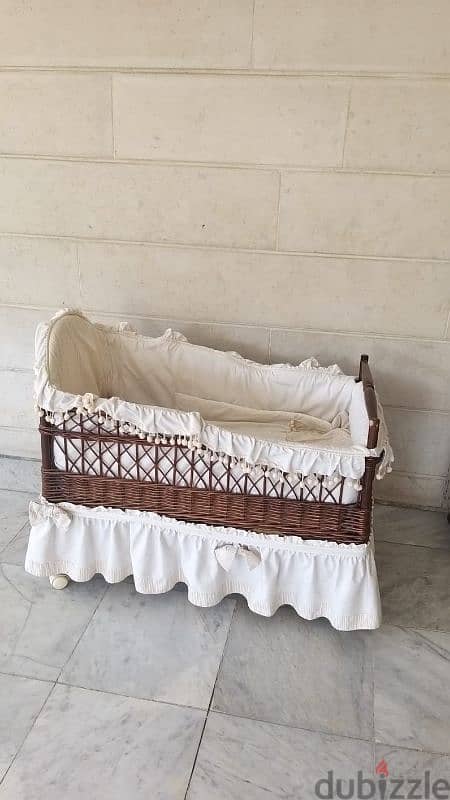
271, 177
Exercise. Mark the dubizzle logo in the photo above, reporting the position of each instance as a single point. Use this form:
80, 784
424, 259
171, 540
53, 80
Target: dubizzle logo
384, 787
382, 768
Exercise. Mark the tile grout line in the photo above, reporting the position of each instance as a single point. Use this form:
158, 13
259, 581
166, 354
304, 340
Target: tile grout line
19, 749
346, 125
447, 327
252, 55
390, 337
253, 72
411, 749
103, 594
94, 240
245, 166
277, 231
234, 715
413, 544
210, 703
141, 699
78, 268
25, 677
320, 731
16, 535
415, 410
113, 139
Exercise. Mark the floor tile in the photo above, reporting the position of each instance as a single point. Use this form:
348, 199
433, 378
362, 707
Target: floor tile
94, 745
152, 646
411, 526
39, 626
411, 675
242, 758
15, 551
414, 585
305, 674
13, 514
413, 765
21, 700
23, 473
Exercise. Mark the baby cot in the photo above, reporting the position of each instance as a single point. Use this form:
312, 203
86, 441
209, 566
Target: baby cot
175, 462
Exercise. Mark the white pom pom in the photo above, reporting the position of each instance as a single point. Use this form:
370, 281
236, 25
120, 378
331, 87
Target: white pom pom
80, 411
66, 416
141, 435
172, 440
41, 412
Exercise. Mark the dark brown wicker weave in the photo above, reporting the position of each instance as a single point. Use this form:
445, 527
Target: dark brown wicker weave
108, 468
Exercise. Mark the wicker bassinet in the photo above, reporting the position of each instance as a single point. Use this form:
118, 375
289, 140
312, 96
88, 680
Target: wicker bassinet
160, 425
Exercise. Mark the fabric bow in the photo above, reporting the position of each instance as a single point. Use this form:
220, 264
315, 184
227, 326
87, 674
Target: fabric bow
226, 553
40, 512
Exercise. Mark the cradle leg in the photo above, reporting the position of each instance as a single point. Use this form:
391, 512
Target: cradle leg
58, 581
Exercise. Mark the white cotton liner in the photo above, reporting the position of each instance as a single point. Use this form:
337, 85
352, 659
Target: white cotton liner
306, 459
316, 578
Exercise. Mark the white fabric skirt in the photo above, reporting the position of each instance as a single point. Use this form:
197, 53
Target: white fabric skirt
317, 578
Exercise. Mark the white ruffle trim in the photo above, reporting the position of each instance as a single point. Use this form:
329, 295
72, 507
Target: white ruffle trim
148, 421
317, 578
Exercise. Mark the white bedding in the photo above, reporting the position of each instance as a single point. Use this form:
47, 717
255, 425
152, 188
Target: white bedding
301, 420
319, 579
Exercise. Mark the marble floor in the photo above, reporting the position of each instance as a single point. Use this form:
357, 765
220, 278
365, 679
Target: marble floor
108, 694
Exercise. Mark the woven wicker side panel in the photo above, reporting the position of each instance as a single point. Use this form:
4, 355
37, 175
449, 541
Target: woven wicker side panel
84, 451
310, 520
